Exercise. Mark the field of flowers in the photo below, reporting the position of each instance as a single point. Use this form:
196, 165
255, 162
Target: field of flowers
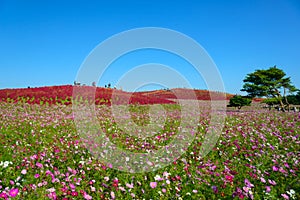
42, 157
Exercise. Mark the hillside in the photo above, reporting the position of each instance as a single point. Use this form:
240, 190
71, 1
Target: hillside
63, 95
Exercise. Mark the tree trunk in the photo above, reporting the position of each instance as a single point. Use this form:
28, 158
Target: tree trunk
279, 97
285, 98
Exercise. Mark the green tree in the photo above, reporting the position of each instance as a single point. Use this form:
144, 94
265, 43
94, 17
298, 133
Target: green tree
239, 101
270, 83
271, 102
294, 99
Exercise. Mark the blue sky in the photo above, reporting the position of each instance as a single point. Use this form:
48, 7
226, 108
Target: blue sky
45, 42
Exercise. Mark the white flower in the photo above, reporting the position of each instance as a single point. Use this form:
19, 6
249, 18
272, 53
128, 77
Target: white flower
6, 163
51, 190
292, 191
81, 162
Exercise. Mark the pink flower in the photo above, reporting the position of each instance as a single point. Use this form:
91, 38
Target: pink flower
34, 157
282, 170
13, 192
129, 185
52, 195
285, 196
268, 189
87, 197
262, 180
112, 195
24, 171
72, 186
248, 184
246, 189
48, 172
39, 165
153, 185
164, 190
286, 165
93, 189
36, 176
271, 182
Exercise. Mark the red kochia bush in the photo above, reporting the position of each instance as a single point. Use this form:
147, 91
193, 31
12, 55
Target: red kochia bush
64, 95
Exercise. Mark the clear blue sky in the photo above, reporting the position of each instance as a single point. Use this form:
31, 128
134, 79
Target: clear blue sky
45, 42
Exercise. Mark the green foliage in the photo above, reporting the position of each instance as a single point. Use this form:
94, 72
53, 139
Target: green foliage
271, 101
239, 101
294, 99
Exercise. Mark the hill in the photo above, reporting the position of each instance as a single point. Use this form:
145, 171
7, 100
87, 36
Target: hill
63, 95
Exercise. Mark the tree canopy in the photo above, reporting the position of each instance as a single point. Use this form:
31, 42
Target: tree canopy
239, 101
270, 83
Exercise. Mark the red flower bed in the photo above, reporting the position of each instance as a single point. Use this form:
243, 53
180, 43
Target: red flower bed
64, 95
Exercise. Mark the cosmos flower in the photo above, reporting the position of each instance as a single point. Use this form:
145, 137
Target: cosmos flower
13, 192
153, 185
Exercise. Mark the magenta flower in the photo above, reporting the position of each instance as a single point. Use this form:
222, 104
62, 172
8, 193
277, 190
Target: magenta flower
286, 165
229, 178
3, 195
153, 185
275, 169
39, 165
13, 192
74, 194
36, 176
